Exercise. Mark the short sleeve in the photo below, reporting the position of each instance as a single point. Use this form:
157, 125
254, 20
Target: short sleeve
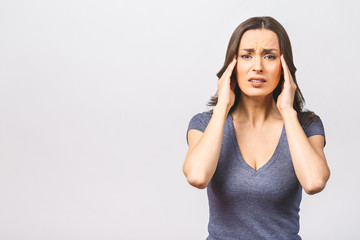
198, 122
315, 127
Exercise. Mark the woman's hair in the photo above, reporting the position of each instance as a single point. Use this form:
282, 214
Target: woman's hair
268, 23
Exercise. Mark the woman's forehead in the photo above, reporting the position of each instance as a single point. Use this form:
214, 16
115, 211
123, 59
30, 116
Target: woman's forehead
259, 39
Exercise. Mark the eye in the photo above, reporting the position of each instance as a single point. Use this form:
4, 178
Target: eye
245, 56
271, 57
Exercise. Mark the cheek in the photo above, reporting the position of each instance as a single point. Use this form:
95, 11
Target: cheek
275, 70
277, 74
241, 70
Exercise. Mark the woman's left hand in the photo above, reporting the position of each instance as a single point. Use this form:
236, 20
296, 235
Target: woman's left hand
285, 100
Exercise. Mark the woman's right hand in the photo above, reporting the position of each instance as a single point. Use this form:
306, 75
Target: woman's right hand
226, 94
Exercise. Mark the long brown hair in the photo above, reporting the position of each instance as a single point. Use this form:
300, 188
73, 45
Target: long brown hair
268, 23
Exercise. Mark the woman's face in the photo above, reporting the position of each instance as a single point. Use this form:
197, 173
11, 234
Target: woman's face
258, 68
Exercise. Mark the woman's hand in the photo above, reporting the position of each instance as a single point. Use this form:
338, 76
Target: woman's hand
285, 100
226, 94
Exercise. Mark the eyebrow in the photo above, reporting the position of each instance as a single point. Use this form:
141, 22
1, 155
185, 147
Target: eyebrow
264, 50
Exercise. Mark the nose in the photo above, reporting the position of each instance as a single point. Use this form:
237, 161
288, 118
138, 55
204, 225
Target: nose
257, 65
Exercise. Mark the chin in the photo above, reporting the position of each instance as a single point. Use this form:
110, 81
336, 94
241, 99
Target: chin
257, 93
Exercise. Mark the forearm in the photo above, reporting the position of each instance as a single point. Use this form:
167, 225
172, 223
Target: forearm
202, 159
310, 166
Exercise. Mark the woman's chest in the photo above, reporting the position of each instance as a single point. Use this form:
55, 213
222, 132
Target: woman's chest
257, 146
235, 178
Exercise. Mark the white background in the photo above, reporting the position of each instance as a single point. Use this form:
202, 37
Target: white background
96, 97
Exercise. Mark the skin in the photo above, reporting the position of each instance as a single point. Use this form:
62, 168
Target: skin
257, 118
258, 56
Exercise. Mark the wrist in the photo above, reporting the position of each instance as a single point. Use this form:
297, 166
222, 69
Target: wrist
288, 113
222, 108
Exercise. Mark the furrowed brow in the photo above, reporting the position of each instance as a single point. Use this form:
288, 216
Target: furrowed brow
266, 50
270, 50
248, 49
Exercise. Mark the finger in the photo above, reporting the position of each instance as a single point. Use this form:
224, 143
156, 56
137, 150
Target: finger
287, 73
230, 68
284, 65
282, 85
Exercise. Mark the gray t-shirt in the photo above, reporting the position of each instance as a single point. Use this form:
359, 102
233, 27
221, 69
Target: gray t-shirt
245, 203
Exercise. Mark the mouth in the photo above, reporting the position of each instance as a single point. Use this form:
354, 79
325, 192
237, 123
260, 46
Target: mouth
257, 80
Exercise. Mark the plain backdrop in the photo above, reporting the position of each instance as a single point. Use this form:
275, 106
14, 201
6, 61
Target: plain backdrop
96, 97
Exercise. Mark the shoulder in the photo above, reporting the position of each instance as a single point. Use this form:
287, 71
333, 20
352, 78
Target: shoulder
314, 126
199, 122
203, 117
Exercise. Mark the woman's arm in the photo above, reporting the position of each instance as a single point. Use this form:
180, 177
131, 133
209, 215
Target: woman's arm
307, 153
204, 150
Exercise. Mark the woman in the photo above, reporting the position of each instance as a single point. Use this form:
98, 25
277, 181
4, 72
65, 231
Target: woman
257, 148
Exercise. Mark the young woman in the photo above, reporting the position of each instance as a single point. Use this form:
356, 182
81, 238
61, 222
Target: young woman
257, 148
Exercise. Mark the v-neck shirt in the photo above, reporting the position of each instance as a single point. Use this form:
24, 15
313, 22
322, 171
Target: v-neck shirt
231, 126
246, 203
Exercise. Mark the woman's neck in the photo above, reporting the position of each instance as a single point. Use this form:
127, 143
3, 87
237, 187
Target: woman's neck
255, 111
